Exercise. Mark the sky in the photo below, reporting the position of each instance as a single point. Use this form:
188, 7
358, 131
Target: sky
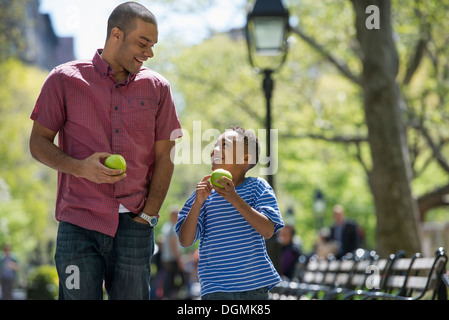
85, 21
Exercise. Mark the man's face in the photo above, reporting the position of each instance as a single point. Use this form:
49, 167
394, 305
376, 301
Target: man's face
137, 46
338, 216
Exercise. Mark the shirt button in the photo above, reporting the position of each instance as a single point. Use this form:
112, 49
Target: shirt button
116, 130
116, 108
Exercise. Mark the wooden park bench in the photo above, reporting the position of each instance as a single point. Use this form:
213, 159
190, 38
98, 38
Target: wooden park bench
395, 277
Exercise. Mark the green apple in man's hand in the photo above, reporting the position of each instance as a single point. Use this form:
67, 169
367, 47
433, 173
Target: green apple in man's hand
116, 161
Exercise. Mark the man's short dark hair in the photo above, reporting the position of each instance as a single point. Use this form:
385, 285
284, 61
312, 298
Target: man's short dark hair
124, 17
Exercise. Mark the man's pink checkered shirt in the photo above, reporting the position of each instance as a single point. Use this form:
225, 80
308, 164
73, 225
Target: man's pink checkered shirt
92, 113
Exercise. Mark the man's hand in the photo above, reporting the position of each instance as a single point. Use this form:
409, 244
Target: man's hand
93, 170
140, 220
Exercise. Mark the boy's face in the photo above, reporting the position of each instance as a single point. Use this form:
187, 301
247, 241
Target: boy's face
228, 151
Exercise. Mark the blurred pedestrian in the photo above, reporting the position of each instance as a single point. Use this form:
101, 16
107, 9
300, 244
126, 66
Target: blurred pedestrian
8, 273
345, 232
324, 246
291, 250
171, 258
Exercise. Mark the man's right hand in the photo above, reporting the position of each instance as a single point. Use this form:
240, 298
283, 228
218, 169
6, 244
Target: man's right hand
93, 170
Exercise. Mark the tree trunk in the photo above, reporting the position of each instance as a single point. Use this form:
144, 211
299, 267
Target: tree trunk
396, 209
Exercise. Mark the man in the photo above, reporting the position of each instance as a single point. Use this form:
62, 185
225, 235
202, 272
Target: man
109, 105
346, 233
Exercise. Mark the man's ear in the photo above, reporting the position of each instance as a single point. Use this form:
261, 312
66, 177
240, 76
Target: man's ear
116, 33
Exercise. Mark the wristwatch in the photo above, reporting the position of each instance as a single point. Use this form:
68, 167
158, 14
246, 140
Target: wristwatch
152, 220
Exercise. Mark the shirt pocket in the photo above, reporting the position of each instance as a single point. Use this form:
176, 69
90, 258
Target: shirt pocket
140, 117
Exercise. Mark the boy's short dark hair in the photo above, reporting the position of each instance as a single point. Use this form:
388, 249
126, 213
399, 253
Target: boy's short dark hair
124, 17
251, 144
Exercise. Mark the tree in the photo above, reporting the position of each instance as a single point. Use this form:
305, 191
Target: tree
391, 175
12, 17
425, 86
409, 114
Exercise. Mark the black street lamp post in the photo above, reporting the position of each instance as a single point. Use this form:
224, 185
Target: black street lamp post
268, 86
266, 36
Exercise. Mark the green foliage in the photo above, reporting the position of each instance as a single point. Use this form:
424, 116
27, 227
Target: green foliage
14, 223
316, 109
43, 283
12, 17
420, 39
217, 89
30, 187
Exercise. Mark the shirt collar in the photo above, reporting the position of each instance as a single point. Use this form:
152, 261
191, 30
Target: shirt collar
105, 70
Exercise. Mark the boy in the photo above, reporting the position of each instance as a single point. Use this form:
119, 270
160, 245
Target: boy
231, 223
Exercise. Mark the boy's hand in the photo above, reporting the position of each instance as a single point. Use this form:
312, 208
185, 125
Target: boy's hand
203, 190
228, 192
261, 223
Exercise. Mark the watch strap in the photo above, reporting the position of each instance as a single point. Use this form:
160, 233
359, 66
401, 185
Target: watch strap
148, 218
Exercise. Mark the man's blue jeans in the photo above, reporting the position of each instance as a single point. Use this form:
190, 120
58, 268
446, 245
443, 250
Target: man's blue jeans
86, 259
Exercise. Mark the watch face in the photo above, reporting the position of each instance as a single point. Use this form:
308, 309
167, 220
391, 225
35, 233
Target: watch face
153, 221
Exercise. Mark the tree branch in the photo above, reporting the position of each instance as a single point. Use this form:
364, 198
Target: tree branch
362, 163
357, 140
415, 60
341, 66
338, 139
433, 199
421, 45
219, 88
436, 150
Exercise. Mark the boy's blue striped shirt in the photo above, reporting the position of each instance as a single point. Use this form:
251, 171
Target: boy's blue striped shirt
233, 256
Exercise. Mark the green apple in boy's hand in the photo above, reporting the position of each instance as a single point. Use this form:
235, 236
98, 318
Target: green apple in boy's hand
217, 174
115, 161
